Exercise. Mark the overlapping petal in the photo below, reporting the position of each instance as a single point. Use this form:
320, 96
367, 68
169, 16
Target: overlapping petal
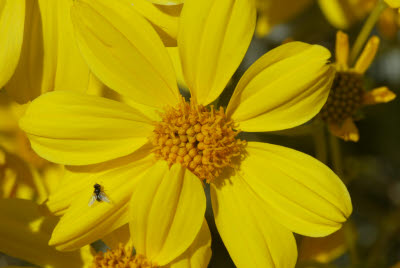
300, 192
198, 255
12, 17
213, 38
167, 2
163, 18
71, 128
284, 88
26, 82
81, 224
251, 236
24, 234
125, 52
72, 72
167, 211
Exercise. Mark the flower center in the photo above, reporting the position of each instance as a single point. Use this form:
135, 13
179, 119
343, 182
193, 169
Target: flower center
199, 138
345, 97
120, 257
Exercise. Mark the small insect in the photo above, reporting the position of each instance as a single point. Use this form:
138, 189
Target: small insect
98, 195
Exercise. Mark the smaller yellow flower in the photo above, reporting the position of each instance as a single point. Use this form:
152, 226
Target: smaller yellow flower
25, 230
389, 23
348, 94
393, 3
323, 249
274, 12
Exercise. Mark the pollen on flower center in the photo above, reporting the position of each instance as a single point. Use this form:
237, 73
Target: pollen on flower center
199, 138
345, 97
121, 257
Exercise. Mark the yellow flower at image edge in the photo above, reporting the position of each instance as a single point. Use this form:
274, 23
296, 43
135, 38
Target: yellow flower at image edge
24, 224
153, 157
348, 95
393, 3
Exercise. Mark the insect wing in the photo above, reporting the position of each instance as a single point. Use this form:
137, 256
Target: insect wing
104, 198
92, 200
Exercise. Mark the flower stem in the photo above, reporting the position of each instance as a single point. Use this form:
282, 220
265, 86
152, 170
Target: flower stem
366, 30
319, 137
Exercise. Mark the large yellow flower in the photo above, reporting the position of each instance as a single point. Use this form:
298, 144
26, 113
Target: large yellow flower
158, 152
23, 174
25, 232
348, 94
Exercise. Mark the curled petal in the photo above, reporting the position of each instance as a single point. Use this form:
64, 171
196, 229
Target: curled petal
284, 88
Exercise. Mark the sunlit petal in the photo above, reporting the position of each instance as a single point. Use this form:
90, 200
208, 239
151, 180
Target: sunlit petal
167, 211
71, 128
125, 52
251, 236
284, 88
213, 39
300, 192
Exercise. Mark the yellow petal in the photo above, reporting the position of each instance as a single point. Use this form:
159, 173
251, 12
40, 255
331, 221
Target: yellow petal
346, 130
323, 249
163, 22
213, 38
341, 14
167, 210
12, 15
70, 128
72, 72
72, 184
284, 88
83, 224
300, 192
251, 236
368, 55
26, 83
125, 52
378, 95
198, 255
176, 61
24, 234
167, 2
342, 50
393, 3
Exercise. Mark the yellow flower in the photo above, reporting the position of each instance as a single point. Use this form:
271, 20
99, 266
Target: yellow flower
26, 229
343, 13
260, 192
23, 174
323, 249
389, 23
25, 232
348, 94
273, 12
393, 3
121, 242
